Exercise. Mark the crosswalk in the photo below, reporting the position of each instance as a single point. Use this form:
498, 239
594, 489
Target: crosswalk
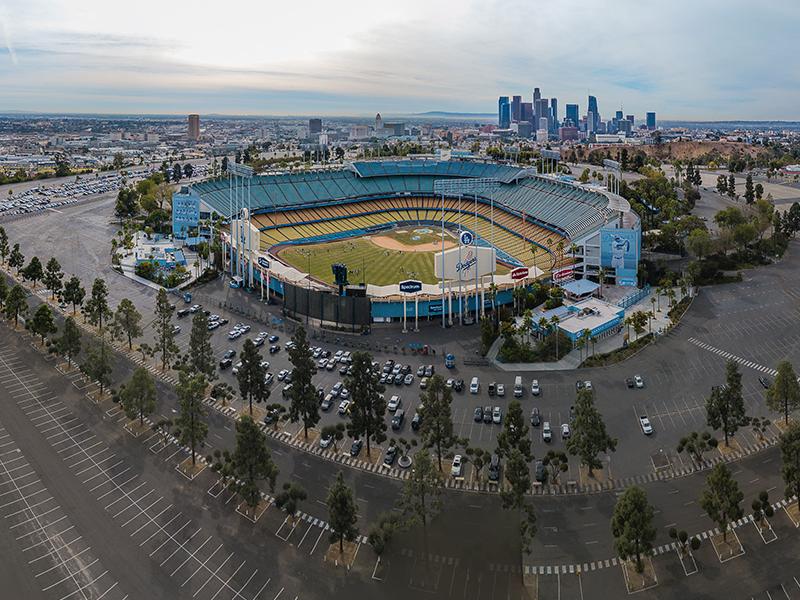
727, 355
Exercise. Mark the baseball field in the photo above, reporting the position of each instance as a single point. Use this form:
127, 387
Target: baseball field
379, 259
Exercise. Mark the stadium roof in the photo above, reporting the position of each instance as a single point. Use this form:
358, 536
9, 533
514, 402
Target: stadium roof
566, 206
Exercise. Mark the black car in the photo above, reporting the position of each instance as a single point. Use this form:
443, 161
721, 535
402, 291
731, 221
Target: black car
579, 385
398, 418
272, 417
390, 456
223, 321
274, 348
487, 414
326, 404
183, 312
478, 414
406, 369
355, 448
536, 418
494, 468
225, 363
765, 383
492, 388
458, 385
628, 382
539, 472
229, 354
416, 421
398, 379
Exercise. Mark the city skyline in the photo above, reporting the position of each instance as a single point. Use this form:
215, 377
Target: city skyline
634, 58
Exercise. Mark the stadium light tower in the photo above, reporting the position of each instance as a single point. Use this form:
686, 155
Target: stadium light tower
239, 204
473, 186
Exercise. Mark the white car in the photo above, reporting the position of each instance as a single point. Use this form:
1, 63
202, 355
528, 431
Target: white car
497, 415
547, 433
501, 390
234, 333
236, 367
264, 364
331, 365
325, 441
344, 394
565, 432
344, 407
269, 378
474, 386
394, 403
282, 375
535, 387
587, 384
455, 469
638, 381
647, 427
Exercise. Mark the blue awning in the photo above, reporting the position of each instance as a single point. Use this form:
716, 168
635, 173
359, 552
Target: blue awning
580, 287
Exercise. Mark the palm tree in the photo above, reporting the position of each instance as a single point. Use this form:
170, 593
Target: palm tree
671, 297
650, 316
543, 327
684, 287
555, 321
581, 343
653, 301
534, 250
527, 323
573, 249
560, 248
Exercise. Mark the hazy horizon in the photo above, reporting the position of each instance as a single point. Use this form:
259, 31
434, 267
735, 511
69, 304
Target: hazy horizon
687, 61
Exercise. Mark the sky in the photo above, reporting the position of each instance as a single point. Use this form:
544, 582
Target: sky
684, 59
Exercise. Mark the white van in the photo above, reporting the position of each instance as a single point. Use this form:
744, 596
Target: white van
518, 387
474, 386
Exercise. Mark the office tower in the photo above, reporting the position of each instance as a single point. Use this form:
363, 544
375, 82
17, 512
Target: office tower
651, 121
194, 127
630, 119
537, 95
543, 123
503, 112
624, 126
590, 121
314, 126
526, 112
554, 112
378, 122
572, 114
618, 116
524, 129
595, 114
516, 103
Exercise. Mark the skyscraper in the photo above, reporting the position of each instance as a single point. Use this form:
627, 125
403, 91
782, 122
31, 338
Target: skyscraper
516, 108
194, 127
572, 114
526, 111
537, 98
595, 114
314, 126
618, 116
503, 112
554, 112
651, 121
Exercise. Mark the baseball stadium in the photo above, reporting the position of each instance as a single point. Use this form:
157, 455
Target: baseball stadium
443, 236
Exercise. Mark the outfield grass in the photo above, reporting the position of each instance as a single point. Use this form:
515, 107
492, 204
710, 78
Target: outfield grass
406, 236
383, 267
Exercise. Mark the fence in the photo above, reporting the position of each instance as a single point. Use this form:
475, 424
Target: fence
634, 297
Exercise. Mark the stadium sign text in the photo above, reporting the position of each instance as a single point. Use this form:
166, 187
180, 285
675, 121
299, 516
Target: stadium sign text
263, 262
410, 286
519, 273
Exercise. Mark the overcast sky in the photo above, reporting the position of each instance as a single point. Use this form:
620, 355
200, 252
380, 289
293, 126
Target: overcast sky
685, 59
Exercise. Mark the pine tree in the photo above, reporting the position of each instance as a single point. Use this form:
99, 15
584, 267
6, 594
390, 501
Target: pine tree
128, 320
749, 191
252, 461
589, 436
343, 512
790, 455
515, 432
68, 343
16, 303
436, 430
725, 407
3, 245
138, 397
33, 272
96, 308
420, 500
291, 496
16, 259
251, 376
369, 406
165, 336
722, 498
632, 525
97, 364
53, 277
784, 393
303, 402
74, 293
201, 353
513, 497
191, 427
43, 323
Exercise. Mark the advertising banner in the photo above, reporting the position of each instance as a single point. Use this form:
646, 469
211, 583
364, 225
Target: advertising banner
410, 286
465, 263
619, 250
520, 273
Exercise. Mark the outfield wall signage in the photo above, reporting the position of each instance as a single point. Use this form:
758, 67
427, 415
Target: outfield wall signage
465, 263
520, 273
466, 238
410, 286
263, 262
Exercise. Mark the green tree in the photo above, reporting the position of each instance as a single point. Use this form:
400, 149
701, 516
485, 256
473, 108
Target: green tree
138, 396
731, 186
725, 407
201, 353
43, 323
382, 532
335, 432
251, 376
699, 243
589, 436
96, 307
127, 205
74, 292
34, 271
632, 525
68, 343
513, 497
53, 277
128, 320
16, 303
343, 512
303, 401
16, 259
696, 444
436, 430
784, 393
3, 244
515, 432
721, 498
367, 413
749, 191
420, 499
252, 461
762, 508
97, 364
556, 463
290, 498
722, 185
165, 335
790, 455
191, 426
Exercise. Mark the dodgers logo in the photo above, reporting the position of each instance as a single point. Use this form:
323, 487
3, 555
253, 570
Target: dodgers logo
466, 238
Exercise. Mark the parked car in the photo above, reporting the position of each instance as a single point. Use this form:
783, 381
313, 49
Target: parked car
474, 386
494, 468
487, 414
478, 414
344, 407
355, 448
421, 371
282, 374
457, 466
390, 455
408, 379
647, 427
536, 418
501, 390
269, 378
638, 381
630, 383
565, 432
225, 363
326, 441
492, 389
547, 433
394, 403
236, 368
194, 308
497, 415
535, 387
765, 382
397, 419
540, 473
416, 421
176, 329
274, 349
458, 385
327, 403
273, 338
182, 312
229, 353
423, 383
